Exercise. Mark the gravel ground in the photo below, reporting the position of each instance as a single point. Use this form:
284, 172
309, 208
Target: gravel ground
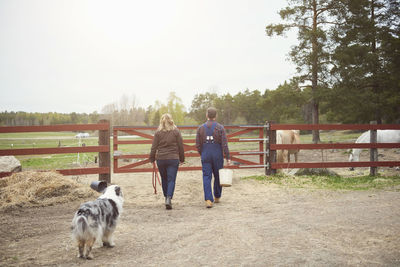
256, 224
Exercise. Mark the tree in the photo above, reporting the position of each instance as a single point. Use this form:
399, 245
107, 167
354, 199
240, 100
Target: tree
311, 55
74, 118
156, 118
285, 104
94, 117
200, 104
226, 109
173, 106
123, 110
367, 62
147, 115
109, 112
176, 108
246, 103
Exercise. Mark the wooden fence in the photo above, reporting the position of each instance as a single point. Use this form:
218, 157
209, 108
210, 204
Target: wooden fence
271, 165
103, 147
266, 156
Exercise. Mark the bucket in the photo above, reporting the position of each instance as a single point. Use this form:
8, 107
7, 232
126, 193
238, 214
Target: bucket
99, 186
225, 177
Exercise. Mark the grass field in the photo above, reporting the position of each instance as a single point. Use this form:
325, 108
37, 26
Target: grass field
48, 140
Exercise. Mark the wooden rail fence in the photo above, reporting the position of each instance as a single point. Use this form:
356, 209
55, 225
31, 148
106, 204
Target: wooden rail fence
271, 146
266, 135
103, 127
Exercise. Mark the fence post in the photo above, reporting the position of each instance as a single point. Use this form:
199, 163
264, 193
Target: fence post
270, 154
373, 154
104, 157
261, 145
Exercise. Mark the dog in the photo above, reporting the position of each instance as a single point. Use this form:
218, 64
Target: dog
97, 220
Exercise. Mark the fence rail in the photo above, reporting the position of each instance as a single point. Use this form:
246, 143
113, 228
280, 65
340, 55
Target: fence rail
266, 153
56, 128
334, 146
271, 147
325, 127
103, 127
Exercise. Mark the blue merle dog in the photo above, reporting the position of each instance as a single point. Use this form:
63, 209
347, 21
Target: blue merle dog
97, 220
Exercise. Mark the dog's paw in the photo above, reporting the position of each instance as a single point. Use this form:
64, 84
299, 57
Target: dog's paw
108, 245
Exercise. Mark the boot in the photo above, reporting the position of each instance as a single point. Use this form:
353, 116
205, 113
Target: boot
168, 204
209, 204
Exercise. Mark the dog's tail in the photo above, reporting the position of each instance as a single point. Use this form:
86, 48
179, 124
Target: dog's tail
80, 226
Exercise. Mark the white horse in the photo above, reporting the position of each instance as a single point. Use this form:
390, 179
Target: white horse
383, 136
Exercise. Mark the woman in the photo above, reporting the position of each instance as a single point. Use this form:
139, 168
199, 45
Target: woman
167, 149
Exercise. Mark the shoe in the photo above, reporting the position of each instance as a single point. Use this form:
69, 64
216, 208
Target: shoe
216, 199
209, 204
168, 204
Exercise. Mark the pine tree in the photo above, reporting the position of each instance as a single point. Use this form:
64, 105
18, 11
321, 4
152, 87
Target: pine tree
367, 62
311, 18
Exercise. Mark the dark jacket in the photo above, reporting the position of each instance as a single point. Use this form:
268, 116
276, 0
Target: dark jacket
218, 134
167, 145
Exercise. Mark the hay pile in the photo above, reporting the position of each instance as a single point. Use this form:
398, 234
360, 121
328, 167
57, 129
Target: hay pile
27, 189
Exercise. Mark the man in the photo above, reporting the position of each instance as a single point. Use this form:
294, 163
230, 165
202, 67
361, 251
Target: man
212, 144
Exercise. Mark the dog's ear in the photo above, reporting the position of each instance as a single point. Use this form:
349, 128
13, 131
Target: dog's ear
118, 190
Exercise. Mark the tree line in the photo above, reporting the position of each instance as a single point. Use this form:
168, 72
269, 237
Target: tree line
348, 54
21, 118
348, 71
286, 104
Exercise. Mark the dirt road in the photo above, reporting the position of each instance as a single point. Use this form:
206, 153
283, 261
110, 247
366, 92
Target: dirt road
256, 224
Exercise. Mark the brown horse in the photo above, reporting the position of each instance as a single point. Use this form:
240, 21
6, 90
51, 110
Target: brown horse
287, 137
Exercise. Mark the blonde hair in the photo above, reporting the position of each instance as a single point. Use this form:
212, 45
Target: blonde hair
166, 123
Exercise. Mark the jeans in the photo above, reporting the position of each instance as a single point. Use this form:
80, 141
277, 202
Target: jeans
168, 169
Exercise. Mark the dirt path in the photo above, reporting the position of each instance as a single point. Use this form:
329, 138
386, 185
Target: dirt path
255, 224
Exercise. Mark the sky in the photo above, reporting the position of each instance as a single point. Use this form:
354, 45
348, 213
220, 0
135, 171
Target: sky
80, 55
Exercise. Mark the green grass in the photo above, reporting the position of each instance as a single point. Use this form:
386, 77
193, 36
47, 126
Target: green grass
48, 140
331, 182
135, 149
29, 135
332, 136
56, 161
43, 141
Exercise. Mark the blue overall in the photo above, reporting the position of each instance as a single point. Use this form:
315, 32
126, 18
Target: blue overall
212, 160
